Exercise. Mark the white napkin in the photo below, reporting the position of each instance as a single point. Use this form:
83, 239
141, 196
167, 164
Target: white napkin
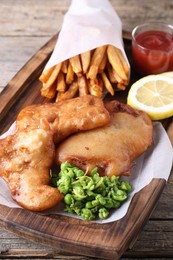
87, 25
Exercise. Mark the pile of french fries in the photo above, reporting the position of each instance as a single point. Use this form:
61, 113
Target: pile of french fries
94, 72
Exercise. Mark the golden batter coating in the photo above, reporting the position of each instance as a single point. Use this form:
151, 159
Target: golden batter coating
113, 147
27, 155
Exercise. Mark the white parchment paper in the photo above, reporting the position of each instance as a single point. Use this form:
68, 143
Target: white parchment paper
156, 162
87, 25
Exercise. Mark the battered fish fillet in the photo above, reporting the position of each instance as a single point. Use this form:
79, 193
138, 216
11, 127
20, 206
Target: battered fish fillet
26, 156
65, 117
112, 148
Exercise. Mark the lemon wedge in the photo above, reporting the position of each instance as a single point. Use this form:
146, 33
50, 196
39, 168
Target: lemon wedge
168, 74
154, 95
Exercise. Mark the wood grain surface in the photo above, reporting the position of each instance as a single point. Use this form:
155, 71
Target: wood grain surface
24, 29
80, 237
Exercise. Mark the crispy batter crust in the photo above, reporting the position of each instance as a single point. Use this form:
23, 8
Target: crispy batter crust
112, 148
26, 156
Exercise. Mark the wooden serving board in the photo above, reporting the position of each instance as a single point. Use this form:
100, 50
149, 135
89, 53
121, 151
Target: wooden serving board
107, 241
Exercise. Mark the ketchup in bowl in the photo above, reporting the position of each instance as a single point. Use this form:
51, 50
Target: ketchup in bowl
152, 48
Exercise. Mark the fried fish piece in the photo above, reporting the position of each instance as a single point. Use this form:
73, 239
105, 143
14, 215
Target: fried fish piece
27, 155
113, 147
65, 117
25, 161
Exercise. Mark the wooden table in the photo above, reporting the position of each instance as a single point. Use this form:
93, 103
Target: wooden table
24, 27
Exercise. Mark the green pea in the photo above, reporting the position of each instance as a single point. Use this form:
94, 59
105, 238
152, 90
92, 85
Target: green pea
78, 173
95, 210
71, 174
102, 189
98, 181
103, 213
79, 204
63, 188
116, 204
89, 205
87, 214
109, 203
79, 192
91, 193
68, 199
114, 179
65, 165
87, 182
126, 186
119, 195
107, 182
95, 202
63, 184
89, 196
94, 172
101, 199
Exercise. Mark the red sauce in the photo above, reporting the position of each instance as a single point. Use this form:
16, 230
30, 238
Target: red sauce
155, 53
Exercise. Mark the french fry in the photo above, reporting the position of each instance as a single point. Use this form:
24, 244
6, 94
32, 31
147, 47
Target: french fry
103, 63
95, 87
107, 83
70, 93
46, 74
76, 65
92, 72
117, 77
52, 78
85, 60
83, 87
95, 61
59, 96
116, 63
101, 85
121, 86
61, 85
111, 75
70, 74
64, 66
49, 92
124, 63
